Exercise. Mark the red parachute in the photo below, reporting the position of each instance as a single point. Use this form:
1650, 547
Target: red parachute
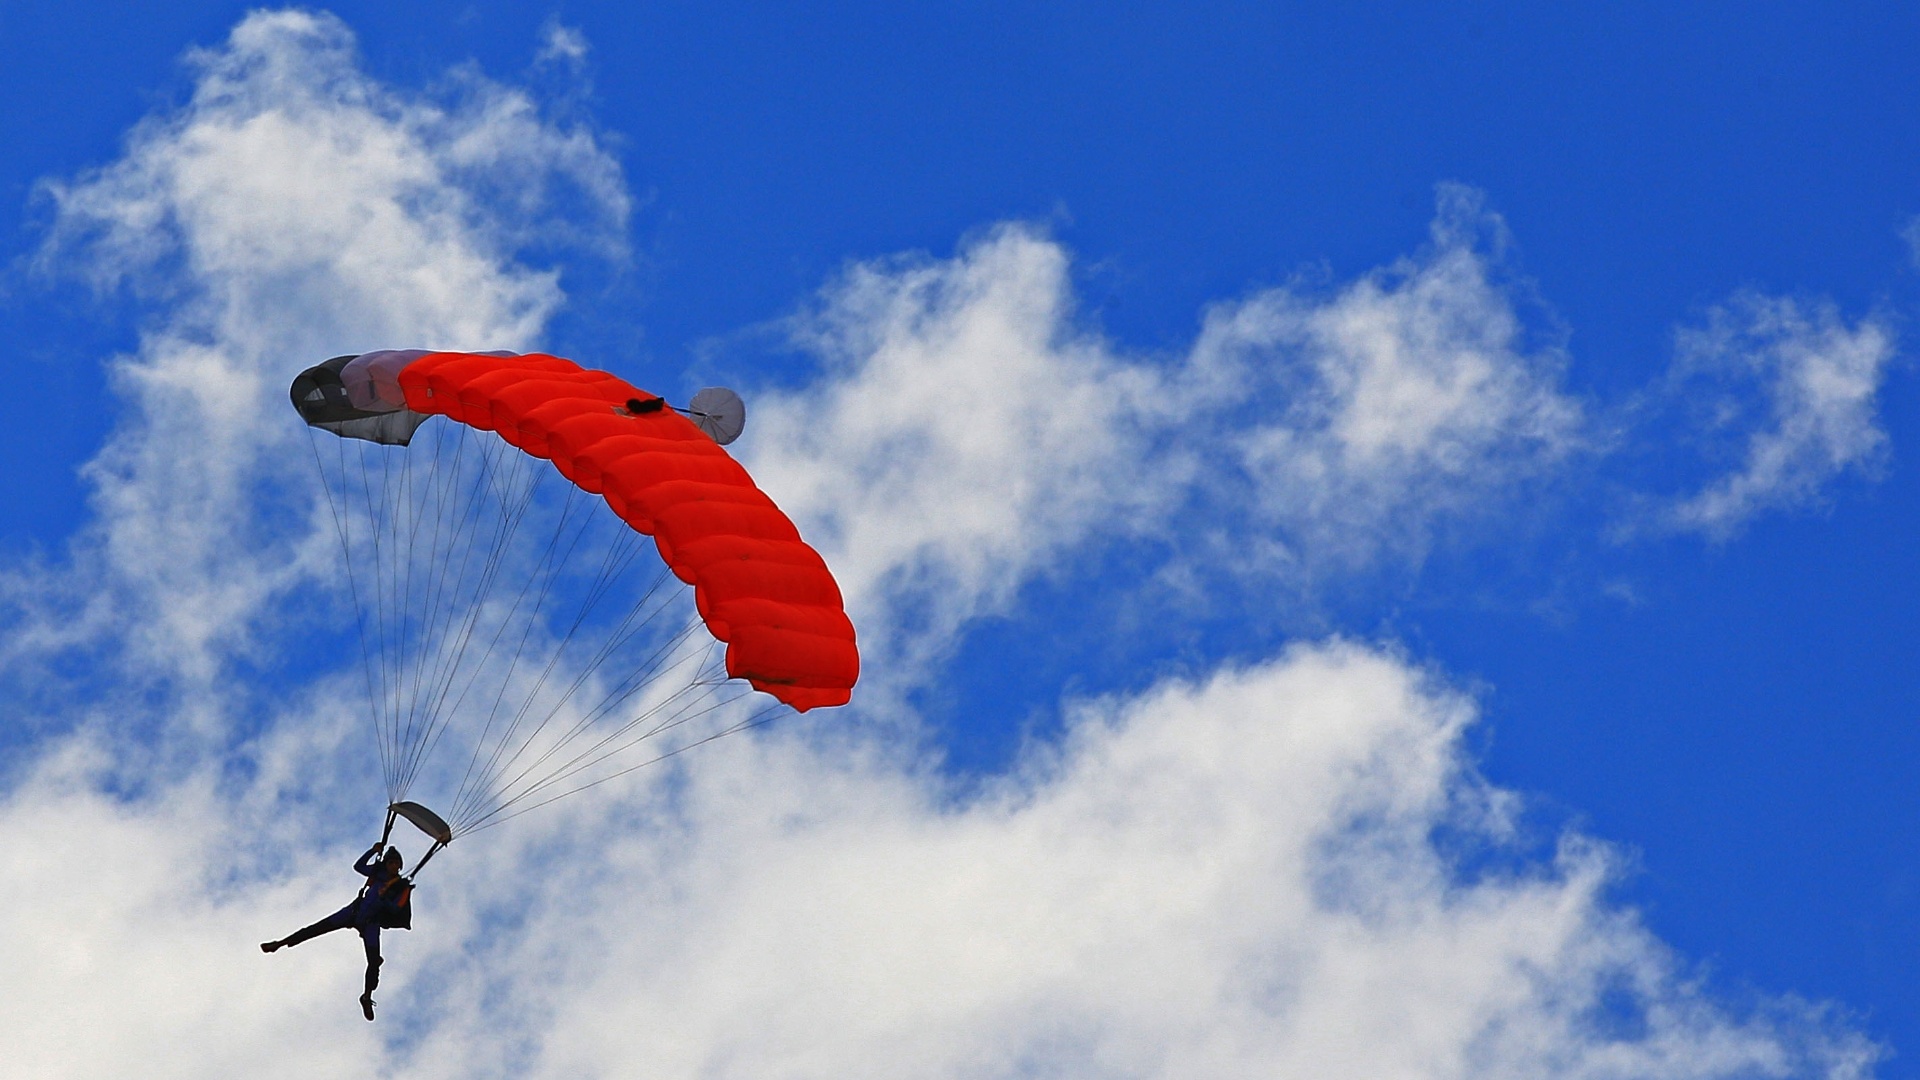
757, 586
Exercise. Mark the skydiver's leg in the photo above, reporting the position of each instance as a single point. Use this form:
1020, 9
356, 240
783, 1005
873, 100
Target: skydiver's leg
339, 920
370, 937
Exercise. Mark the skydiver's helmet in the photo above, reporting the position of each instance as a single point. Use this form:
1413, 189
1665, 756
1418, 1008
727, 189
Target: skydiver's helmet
392, 859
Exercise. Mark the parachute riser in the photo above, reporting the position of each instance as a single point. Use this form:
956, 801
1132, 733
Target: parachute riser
425, 859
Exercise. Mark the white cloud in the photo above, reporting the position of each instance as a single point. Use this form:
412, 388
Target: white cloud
135, 959
964, 436
561, 43
1797, 387
1402, 403
292, 210
1226, 877
968, 434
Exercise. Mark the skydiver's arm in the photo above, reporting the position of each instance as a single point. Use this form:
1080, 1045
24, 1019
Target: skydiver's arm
365, 866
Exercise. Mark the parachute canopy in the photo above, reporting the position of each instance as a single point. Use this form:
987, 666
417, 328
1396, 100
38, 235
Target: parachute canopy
759, 587
450, 616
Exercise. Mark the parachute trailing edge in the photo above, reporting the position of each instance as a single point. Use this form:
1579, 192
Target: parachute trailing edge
758, 586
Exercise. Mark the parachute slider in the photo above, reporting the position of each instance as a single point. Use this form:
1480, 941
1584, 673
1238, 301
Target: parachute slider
425, 820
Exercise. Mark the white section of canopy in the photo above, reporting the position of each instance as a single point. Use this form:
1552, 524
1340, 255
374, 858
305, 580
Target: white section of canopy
372, 379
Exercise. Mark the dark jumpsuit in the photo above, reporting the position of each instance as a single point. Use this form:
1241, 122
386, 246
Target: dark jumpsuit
363, 914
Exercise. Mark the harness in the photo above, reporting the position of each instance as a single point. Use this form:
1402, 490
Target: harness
389, 912
393, 901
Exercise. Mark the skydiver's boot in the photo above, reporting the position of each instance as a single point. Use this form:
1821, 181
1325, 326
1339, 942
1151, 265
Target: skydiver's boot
373, 980
270, 946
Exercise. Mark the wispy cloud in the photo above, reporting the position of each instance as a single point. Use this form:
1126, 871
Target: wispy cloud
1404, 402
1794, 389
562, 44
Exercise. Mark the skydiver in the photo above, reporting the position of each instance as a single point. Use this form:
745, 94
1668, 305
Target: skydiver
383, 901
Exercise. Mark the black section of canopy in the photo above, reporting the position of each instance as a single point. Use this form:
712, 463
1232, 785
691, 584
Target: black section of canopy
320, 397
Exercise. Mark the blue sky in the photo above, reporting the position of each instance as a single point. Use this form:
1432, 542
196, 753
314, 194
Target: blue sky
1550, 358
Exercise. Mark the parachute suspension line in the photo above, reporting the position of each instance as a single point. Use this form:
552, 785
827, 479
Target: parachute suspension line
546, 572
448, 662
376, 518
474, 786
542, 575
621, 634
708, 682
434, 615
340, 528
505, 527
638, 680
432, 633
396, 512
514, 501
382, 651
766, 715
711, 679
441, 712
411, 616
400, 512
619, 554
404, 513
421, 626
395, 530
